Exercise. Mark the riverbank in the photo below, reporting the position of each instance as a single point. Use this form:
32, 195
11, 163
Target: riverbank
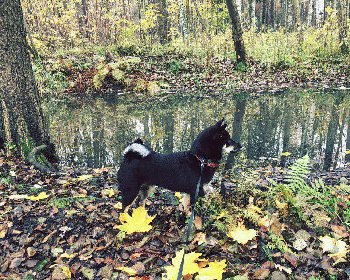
65, 225
96, 72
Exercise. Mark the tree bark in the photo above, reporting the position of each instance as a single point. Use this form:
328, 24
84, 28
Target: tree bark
237, 31
21, 113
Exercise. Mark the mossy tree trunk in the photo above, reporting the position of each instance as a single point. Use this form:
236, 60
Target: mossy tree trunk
22, 119
237, 31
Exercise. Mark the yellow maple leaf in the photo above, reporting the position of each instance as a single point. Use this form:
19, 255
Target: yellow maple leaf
213, 272
241, 234
286, 154
40, 196
190, 267
139, 221
347, 152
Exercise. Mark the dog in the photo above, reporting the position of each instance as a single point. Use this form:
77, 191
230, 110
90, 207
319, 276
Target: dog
179, 172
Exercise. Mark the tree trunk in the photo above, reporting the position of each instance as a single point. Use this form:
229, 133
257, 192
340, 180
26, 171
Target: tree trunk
342, 25
237, 32
21, 112
163, 22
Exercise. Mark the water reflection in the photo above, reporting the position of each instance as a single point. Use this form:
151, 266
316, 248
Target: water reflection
300, 123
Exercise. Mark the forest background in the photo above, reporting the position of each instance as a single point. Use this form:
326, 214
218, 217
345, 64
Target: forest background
287, 42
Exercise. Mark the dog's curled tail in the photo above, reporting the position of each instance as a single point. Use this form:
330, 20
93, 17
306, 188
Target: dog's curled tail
136, 150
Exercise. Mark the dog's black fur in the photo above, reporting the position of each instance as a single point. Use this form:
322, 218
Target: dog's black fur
176, 171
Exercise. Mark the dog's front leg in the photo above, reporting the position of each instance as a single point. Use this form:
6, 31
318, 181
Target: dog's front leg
186, 204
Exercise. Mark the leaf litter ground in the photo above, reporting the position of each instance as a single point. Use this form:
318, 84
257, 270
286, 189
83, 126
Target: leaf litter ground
66, 228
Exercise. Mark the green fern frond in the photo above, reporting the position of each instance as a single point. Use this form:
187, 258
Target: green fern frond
297, 174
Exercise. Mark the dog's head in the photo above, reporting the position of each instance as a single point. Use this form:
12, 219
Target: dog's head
211, 141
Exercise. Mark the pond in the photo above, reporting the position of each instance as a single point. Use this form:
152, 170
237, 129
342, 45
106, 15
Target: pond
95, 133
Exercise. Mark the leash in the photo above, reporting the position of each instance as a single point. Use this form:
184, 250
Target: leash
189, 226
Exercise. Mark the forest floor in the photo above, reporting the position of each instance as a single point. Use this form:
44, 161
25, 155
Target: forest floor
91, 73
64, 225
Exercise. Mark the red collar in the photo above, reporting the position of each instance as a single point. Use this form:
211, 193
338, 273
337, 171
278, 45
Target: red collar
207, 162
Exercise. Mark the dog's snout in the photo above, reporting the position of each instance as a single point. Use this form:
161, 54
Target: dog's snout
230, 142
234, 146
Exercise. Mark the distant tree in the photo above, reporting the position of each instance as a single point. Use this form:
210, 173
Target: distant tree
163, 22
22, 123
237, 31
342, 23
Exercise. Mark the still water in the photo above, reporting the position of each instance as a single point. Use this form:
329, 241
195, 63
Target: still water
95, 133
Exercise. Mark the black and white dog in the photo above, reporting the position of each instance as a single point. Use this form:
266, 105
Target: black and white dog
176, 171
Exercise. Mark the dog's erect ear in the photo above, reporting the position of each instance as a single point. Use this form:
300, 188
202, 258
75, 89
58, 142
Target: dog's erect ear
224, 126
138, 141
219, 123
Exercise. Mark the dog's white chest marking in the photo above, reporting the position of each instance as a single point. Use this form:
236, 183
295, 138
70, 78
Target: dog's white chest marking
228, 149
137, 148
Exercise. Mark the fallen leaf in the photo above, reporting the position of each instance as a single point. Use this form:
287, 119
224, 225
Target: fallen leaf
299, 244
198, 223
190, 267
88, 273
283, 268
214, 271
16, 262
118, 206
83, 177
68, 256
3, 230
241, 234
291, 258
127, 270
261, 274
66, 271
31, 251
107, 193
139, 221
40, 196
56, 251
240, 277
340, 230
18, 196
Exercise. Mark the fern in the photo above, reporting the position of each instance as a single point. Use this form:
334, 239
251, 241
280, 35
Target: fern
297, 174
